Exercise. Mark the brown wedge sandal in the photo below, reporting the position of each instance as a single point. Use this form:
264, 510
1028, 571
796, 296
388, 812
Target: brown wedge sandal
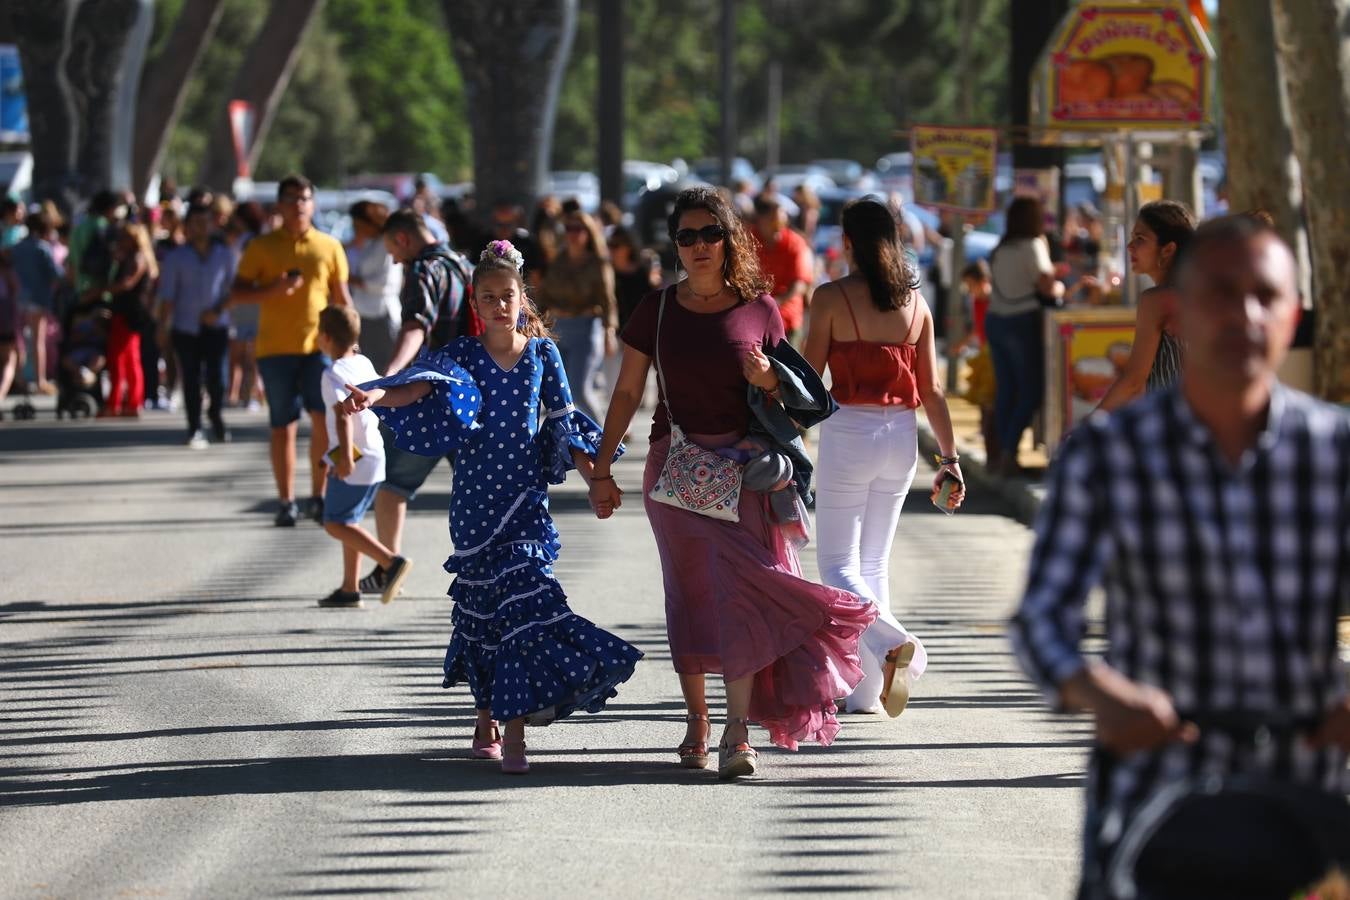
694, 754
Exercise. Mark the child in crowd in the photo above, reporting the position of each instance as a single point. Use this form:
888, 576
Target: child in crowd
502, 403
355, 460
980, 391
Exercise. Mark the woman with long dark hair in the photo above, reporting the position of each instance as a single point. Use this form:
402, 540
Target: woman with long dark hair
1023, 281
736, 602
875, 333
1162, 230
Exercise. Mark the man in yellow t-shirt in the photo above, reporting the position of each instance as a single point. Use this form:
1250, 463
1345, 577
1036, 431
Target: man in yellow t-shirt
292, 274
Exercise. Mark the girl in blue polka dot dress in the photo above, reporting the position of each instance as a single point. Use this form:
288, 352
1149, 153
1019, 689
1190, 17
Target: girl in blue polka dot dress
501, 402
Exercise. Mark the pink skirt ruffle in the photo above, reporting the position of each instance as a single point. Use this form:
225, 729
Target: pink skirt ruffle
736, 603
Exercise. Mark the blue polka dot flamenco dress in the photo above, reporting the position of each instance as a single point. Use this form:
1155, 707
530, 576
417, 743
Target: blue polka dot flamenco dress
515, 641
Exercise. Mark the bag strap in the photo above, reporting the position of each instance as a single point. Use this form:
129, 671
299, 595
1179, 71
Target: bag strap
660, 369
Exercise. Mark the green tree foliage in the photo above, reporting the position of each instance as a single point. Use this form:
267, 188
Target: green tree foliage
377, 88
406, 83
854, 72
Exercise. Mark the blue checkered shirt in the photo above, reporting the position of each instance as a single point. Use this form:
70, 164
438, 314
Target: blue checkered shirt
1223, 583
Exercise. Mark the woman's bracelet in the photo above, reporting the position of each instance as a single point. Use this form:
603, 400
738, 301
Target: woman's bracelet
948, 460
602, 478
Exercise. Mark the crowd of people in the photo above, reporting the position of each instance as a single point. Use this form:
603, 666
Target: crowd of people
1214, 508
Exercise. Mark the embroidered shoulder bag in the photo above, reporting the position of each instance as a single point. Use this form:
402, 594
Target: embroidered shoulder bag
693, 478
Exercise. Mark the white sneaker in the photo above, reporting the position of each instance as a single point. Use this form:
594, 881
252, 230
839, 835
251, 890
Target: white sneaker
198, 441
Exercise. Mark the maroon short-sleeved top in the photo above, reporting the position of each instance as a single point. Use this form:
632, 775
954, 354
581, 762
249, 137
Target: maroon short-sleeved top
702, 354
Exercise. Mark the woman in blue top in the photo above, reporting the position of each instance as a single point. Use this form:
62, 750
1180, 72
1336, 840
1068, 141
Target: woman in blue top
501, 402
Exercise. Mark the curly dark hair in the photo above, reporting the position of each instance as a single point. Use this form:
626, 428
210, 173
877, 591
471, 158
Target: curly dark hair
741, 265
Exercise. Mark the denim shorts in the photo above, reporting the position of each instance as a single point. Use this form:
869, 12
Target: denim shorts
291, 382
405, 472
347, 503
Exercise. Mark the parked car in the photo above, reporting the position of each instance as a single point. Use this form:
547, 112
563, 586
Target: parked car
584, 186
401, 184
787, 178
639, 176
710, 171
848, 173
1084, 181
331, 209
896, 173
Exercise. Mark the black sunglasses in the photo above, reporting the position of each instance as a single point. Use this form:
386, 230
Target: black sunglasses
708, 234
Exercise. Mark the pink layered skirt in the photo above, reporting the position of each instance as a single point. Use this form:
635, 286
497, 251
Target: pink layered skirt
736, 603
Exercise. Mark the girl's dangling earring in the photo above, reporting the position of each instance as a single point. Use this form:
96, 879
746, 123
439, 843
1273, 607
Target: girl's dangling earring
522, 320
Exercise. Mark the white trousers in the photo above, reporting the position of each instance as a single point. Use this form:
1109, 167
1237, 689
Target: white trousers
865, 466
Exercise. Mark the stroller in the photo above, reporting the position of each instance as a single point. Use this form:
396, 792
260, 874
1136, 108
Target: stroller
84, 357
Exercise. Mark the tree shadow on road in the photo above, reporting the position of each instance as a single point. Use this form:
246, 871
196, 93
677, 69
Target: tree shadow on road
377, 773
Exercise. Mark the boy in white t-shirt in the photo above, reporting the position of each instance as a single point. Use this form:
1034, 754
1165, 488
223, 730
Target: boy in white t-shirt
355, 460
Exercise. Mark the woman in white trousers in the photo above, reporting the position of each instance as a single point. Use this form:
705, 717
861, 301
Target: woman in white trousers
875, 333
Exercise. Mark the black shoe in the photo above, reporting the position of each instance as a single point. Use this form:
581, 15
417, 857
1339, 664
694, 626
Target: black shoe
341, 599
220, 433
288, 515
314, 509
374, 582
393, 576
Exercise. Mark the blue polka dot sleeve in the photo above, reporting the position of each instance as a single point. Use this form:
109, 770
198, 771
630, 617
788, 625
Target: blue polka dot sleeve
564, 427
439, 422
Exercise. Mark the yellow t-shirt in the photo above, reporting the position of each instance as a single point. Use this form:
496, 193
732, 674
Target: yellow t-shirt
291, 324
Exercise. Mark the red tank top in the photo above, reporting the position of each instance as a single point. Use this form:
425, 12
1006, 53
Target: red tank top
870, 373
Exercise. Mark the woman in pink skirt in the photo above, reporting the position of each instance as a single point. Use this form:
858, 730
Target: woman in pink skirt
736, 601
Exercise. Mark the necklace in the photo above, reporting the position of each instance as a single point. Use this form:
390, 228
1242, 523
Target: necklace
706, 297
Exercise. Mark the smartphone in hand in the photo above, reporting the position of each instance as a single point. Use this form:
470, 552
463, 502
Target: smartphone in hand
948, 483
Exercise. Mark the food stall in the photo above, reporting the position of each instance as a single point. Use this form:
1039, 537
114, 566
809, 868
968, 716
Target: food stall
1123, 76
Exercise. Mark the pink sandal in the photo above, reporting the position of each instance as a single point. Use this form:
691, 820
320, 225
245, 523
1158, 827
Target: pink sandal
490, 748
513, 758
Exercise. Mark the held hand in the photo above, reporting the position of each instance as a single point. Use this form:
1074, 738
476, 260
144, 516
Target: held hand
1335, 728
605, 497
757, 369
210, 318
359, 400
345, 465
1133, 717
958, 494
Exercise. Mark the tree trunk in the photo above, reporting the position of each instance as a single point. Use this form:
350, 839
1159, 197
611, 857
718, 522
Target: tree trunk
511, 56
1313, 37
164, 86
261, 81
79, 61
1262, 170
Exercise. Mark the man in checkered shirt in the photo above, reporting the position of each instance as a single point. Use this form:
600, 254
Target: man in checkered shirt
1216, 516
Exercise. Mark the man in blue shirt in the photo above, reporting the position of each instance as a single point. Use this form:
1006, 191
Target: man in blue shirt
194, 283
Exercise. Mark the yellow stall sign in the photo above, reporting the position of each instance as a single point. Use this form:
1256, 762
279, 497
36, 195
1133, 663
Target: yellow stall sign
954, 167
1142, 64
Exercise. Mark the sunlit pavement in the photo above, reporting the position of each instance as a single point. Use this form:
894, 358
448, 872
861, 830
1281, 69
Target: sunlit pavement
180, 719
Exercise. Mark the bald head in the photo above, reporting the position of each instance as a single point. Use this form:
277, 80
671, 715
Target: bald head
1239, 301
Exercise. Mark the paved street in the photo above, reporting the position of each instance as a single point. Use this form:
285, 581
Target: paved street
177, 718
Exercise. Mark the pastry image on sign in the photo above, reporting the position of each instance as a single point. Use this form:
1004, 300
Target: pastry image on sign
1113, 63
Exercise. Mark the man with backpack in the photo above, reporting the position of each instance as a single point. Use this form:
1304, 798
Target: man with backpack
436, 283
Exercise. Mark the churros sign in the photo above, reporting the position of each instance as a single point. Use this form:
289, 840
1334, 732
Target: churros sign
1113, 64
954, 167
